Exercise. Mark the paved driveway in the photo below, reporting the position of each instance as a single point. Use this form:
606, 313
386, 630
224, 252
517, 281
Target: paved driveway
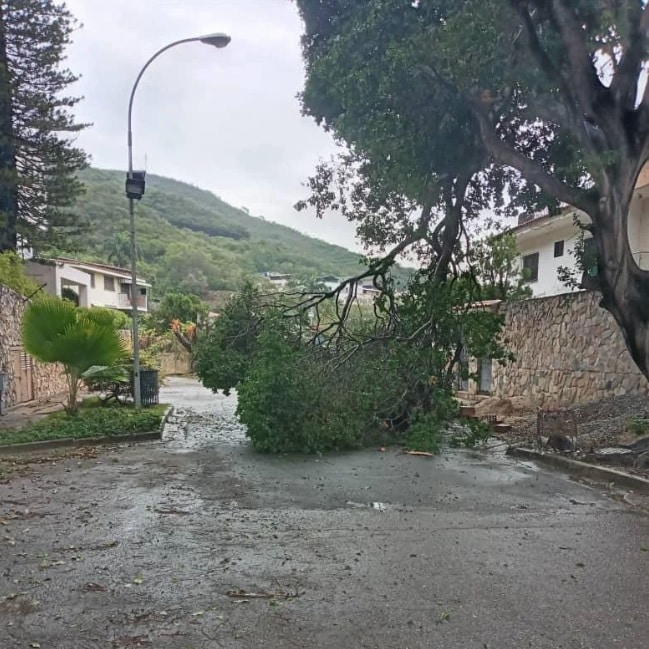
197, 542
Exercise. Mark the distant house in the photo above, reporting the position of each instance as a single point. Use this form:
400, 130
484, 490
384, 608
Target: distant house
363, 291
546, 243
93, 284
278, 280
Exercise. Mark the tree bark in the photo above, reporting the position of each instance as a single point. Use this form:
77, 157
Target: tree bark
623, 285
183, 340
8, 184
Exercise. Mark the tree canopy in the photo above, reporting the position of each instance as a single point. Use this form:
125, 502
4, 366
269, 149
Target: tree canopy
38, 158
509, 105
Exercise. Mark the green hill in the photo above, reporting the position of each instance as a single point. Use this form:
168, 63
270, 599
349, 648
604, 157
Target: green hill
193, 241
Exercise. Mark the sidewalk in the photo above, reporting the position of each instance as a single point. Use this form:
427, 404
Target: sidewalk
26, 413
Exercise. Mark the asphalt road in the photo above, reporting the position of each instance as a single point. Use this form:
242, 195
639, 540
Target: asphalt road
197, 542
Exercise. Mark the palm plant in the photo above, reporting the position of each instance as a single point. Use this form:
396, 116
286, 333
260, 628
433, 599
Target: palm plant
55, 331
118, 250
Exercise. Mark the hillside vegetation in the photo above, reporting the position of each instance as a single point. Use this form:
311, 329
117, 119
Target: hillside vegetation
191, 240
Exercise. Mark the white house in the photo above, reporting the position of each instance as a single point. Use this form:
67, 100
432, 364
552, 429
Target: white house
94, 284
363, 291
546, 243
278, 280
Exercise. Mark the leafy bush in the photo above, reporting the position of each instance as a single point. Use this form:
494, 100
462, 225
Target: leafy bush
296, 398
90, 422
475, 432
56, 331
427, 430
223, 354
638, 426
367, 380
184, 307
12, 275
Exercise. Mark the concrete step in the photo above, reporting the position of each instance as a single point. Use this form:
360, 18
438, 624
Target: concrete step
468, 411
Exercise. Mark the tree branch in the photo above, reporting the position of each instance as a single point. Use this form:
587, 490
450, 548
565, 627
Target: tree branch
583, 74
624, 86
552, 72
530, 169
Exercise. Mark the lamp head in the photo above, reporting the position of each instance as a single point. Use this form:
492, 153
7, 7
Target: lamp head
218, 39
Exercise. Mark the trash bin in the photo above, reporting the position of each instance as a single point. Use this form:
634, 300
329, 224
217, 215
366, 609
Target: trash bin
149, 388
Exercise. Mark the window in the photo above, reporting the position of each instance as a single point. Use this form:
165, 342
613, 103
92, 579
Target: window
558, 248
531, 267
109, 283
92, 280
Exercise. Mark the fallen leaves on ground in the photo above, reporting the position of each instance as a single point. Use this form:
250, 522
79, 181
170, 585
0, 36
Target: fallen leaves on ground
420, 453
280, 594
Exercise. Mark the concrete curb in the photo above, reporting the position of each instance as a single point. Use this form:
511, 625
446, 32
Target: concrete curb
583, 469
69, 442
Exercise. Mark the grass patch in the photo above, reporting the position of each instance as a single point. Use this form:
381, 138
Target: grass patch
91, 421
638, 427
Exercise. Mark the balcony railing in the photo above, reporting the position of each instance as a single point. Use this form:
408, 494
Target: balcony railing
642, 259
124, 301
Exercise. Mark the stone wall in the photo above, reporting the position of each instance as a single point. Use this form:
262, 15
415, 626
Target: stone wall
176, 361
11, 310
45, 380
172, 360
568, 350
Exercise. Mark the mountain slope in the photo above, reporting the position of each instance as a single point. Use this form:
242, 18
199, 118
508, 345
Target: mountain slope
193, 241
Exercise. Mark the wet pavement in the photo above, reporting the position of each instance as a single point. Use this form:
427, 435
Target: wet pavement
198, 542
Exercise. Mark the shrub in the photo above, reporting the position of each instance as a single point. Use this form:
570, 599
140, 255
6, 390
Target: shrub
56, 331
183, 307
90, 422
223, 355
363, 381
638, 426
13, 276
474, 432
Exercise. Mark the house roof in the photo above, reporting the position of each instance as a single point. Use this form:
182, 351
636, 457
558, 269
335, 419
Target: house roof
643, 181
543, 220
106, 269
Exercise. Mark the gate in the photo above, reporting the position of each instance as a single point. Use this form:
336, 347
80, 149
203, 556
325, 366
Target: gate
485, 365
22, 375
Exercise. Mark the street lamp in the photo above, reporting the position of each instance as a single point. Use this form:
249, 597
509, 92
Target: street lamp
135, 190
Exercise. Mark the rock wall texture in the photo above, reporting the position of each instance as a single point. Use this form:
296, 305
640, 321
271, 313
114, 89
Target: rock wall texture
172, 360
568, 350
176, 362
28, 379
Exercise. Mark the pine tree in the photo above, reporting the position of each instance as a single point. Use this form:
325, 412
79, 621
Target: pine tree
38, 159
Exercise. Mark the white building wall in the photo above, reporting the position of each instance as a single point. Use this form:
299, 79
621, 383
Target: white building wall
101, 297
540, 237
638, 229
56, 276
548, 282
44, 274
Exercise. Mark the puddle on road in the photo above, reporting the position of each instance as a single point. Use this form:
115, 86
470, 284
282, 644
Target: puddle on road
188, 431
379, 507
491, 466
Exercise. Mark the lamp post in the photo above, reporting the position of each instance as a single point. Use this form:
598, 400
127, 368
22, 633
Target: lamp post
135, 190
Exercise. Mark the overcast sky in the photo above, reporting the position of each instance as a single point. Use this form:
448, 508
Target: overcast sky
224, 120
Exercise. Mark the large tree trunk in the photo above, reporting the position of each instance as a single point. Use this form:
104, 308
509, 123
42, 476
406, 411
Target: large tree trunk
8, 173
623, 285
